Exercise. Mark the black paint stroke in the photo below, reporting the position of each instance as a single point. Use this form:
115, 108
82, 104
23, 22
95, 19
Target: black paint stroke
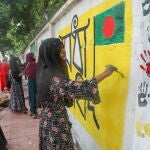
143, 94
63, 39
80, 69
75, 34
91, 108
146, 11
79, 75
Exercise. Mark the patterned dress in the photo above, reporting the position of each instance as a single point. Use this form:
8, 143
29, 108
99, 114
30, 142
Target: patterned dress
17, 100
55, 127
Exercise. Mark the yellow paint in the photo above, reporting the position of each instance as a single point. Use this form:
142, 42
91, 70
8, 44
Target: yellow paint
139, 127
110, 112
147, 129
142, 129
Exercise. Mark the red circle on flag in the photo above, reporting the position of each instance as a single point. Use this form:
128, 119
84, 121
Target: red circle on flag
109, 27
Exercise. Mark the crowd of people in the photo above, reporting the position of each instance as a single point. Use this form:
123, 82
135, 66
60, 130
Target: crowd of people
49, 88
14, 70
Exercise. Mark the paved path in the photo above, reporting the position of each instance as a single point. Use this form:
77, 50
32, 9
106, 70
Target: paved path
21, 131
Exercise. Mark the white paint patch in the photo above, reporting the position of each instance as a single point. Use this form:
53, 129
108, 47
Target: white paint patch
77, 55
80, 135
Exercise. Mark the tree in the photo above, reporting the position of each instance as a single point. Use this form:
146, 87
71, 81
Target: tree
21, 19
5, 42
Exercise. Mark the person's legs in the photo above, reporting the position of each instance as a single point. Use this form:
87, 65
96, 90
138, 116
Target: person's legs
32, 96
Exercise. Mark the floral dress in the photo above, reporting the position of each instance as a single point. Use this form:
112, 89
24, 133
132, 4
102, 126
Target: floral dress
17, 100
55, 127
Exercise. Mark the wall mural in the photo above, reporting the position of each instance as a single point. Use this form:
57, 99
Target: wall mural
93, 40
145, 56
146, 12
143, 121
143, 94
146, 7
143, 107
111, 22
79, 59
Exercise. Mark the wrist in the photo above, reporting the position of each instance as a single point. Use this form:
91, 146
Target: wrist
107, 73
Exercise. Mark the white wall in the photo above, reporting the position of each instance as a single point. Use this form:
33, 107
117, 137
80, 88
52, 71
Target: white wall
44, 34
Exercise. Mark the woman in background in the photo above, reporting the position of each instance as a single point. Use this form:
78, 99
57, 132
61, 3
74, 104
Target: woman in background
31, 75
17, 100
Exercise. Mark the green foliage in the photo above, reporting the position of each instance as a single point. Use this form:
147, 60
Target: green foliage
20, 20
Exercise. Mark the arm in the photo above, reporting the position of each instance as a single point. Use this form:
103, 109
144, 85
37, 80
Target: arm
109, 70
87, 89
102, 76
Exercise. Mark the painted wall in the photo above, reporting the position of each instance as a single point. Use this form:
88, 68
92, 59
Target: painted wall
142, 53
99, 36
35, 43
97, 33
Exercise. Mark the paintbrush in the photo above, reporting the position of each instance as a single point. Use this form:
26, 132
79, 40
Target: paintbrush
113, 68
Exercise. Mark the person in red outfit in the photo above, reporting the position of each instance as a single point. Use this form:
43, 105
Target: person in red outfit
4, 70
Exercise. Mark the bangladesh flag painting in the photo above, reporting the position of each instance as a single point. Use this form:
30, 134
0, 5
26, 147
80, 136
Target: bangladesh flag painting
109, 25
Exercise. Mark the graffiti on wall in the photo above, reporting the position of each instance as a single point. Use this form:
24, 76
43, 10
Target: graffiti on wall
143, 94
77, 54
145, 57
93, 40
79, 60
111, 24
146, 7
146, 15
143, 107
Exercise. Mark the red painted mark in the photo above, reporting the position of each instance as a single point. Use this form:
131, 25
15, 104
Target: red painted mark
142, 68
143, 58
148, 52
148, 67
109, 27
145, 53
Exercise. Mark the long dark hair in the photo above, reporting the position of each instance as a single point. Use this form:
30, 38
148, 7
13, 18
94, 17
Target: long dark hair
13, 64
49, 54
49, 64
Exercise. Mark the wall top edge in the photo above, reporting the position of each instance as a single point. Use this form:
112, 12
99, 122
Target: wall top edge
63, 10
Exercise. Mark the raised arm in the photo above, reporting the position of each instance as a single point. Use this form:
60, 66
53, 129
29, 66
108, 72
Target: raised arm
109, 70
